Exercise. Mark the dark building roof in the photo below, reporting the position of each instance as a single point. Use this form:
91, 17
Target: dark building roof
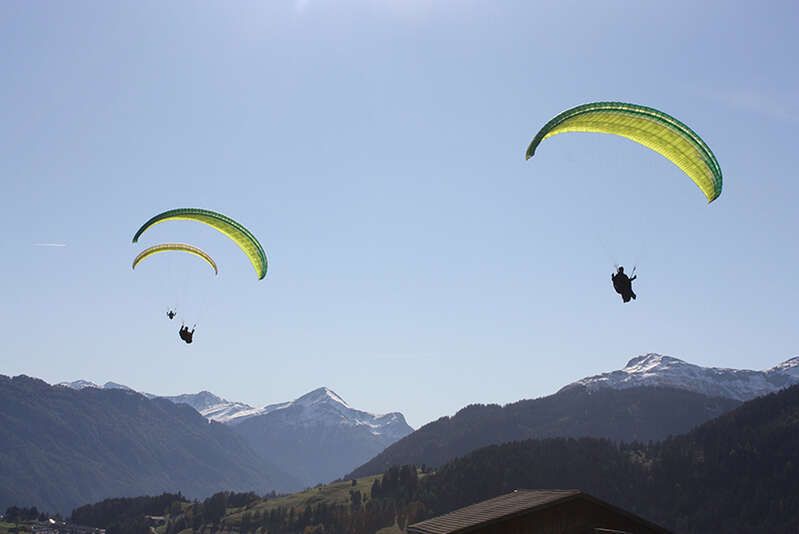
507, 506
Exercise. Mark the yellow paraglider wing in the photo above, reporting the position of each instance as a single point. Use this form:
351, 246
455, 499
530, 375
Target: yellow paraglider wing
182, 247
232, 229
649, 127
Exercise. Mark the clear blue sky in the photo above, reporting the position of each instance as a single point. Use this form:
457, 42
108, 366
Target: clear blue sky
376, 147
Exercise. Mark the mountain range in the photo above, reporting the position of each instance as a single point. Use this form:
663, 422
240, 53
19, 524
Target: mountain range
315, 438
320, 436
652, 397
69, 445
63, 447
667, 371
735, 473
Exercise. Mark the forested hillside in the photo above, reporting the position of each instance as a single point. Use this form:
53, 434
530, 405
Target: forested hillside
636, 414
736, 473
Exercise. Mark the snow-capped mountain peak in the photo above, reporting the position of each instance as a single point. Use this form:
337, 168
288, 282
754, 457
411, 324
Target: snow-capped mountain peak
651, 361
321, 395
323, 407
82, 384
660, 370
317, 399
321, 434
788, 367
79, 384
320, 399
199, 401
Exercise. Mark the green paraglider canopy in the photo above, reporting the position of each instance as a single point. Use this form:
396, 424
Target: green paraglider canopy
245, 240
647, 126
179, 247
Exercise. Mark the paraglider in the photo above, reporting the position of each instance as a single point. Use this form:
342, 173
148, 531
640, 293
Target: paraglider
245, 240
647, 126
179, 247
651, 128
175, 247
240, 235
186, 334
623, 284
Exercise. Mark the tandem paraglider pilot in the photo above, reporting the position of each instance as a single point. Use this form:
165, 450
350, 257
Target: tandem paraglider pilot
623, 284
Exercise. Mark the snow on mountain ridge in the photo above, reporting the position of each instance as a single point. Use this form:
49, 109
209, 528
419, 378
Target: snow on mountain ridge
324, 407
659, 370
199, 401
230, 412
216, 408
82, 384
79, 384
788, 367
320, 407
321, 395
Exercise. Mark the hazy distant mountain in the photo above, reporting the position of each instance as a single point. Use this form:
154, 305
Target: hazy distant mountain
319, 437
659, 370
324, 407
61, 447
642, 414
315, 438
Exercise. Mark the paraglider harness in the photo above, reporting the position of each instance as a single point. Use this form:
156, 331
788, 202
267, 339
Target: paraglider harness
186, 334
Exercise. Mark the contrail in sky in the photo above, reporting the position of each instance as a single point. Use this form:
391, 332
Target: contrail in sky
49, 244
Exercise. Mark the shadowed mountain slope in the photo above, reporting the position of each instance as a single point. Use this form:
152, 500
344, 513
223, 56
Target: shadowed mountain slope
63, 447
633, 414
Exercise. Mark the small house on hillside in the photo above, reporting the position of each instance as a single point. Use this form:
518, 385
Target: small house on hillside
539, 511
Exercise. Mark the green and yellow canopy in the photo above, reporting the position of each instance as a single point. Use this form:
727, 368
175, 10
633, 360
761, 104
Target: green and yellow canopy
227, 226
177, 247
649, 127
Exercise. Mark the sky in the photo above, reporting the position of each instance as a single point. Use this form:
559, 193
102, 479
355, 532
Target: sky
418, 263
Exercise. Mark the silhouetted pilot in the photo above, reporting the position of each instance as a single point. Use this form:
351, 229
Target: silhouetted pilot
623, 284
186, 334
170, 314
